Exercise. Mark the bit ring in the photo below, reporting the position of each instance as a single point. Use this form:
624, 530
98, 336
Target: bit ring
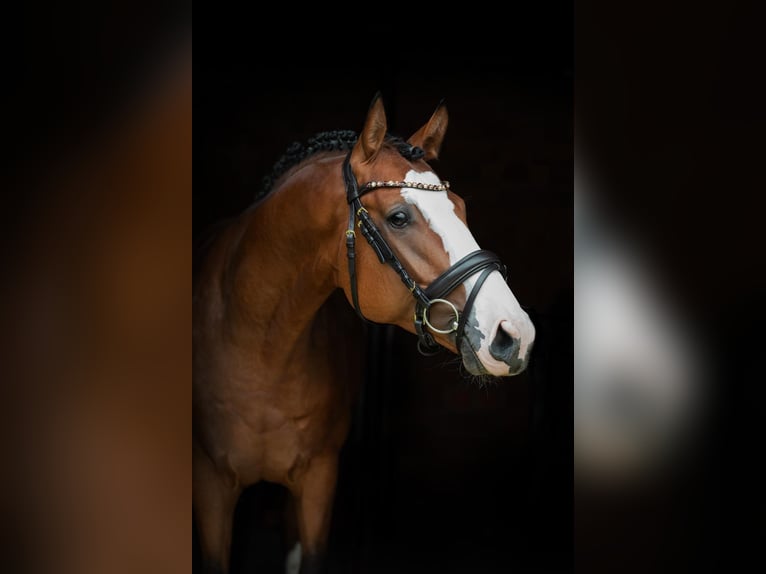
454, 323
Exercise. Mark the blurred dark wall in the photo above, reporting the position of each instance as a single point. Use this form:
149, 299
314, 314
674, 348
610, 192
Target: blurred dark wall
95, 399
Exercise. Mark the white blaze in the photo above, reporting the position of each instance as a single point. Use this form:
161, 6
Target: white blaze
495, 301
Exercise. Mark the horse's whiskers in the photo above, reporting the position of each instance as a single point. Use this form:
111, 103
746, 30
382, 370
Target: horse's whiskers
481, 381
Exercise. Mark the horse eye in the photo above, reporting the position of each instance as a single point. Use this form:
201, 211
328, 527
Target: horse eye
398, 219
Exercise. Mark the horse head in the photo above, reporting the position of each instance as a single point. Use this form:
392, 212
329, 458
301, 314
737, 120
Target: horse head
446, 289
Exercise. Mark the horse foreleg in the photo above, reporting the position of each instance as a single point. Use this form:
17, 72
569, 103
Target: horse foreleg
314, 500
214, 498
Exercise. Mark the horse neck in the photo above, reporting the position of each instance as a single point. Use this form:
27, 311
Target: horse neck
285, 265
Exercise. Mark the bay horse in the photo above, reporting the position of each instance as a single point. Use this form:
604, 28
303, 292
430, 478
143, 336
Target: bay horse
275, 366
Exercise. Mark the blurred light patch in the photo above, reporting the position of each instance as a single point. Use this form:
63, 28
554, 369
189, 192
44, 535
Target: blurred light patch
639, 371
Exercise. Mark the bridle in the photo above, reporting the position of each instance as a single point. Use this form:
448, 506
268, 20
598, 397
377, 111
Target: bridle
478, 261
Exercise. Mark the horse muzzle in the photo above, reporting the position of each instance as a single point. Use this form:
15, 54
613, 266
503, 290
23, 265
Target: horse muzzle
502, 352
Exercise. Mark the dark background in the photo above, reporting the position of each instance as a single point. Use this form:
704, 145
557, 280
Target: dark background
669, 105
438, 474
670, 108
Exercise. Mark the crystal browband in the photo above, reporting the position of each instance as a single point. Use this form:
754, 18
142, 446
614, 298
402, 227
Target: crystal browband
369, 186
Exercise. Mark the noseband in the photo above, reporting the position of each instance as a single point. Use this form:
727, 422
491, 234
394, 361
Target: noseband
475, 262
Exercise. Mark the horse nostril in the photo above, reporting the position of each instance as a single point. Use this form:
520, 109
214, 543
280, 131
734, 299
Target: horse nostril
504, 346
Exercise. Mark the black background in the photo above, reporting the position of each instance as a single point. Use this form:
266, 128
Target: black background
438, 474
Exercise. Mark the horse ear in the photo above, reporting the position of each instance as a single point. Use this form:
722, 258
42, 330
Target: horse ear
431, 135
373, 133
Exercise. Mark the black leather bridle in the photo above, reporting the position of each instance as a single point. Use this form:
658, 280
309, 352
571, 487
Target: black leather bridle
478, 261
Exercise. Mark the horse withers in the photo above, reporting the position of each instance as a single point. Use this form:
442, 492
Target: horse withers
276, 366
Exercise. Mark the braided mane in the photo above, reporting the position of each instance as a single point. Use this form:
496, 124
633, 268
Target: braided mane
336, 140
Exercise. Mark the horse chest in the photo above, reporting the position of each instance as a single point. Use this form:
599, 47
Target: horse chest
276, 436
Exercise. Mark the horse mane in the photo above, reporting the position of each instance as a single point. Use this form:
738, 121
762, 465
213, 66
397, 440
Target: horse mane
336, 140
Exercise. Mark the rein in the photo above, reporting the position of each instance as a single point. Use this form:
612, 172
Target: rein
475, 262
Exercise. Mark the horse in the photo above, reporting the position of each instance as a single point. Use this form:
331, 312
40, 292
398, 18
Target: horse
276, 368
